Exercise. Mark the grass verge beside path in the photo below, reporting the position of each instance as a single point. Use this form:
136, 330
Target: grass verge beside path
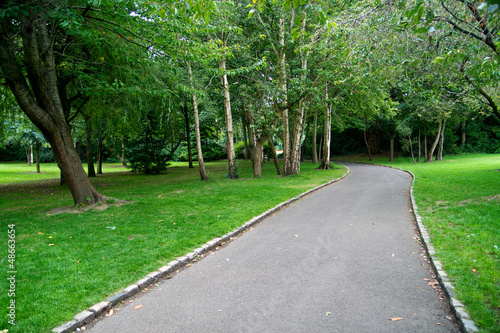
67, 262
459, 201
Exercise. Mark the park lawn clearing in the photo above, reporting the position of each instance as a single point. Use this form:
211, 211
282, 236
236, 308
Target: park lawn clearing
459, 201
66, 262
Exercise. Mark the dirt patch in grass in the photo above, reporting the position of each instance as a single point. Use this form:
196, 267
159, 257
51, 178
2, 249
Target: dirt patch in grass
96, 207
488, 198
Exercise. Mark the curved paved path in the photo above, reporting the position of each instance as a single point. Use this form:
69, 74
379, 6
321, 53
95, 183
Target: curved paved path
343, 259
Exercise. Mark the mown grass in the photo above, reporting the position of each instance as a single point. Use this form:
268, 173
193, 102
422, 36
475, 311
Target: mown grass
68, 262
459, 201
22, 172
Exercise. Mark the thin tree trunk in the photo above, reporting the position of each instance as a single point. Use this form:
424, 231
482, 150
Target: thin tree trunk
419, 146
425, 144
314, 137
245, 136
411, 149
463, 136
188, 134
284, 116
327, 132
199, 151
441, 143
90, 148
434, 144
366, 141
99, 153
37, 156
232, 172
321, 148
275, 156
393, 137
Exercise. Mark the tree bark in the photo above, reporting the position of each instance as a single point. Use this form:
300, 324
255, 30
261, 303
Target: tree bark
199, 151
411, 149
37, 156
245, 136
463, 134
188, 135
299, 119
419, 146
368, 147
314, 138
275, 156
90, 156
441, 143
391, 158
40, 100
99, 153
434, 144
425, 144
232, 173
327, 132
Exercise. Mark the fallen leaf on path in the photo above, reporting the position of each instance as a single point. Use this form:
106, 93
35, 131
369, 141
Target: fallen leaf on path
427, 279
137, 307
395, 319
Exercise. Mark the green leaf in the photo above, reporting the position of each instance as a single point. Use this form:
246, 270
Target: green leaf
250, 13
418, 17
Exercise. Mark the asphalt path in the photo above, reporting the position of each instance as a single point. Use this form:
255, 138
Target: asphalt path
343, 259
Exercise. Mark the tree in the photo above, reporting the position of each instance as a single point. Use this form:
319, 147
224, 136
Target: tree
38, 39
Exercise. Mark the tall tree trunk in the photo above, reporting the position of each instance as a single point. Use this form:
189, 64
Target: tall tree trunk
441, 143
245, 136
411, 149
188, 134
99, 153
391, 158
368, 146
327, 132
37, 156
199, 151
425, 144
463, 134
275, 156
299, 119
232, 173
314, 137
90, 148
27, 152
258, 157
41, 101
419, 146
284, 97
434, 144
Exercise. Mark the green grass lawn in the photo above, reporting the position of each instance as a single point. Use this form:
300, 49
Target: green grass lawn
459, 201
66, 262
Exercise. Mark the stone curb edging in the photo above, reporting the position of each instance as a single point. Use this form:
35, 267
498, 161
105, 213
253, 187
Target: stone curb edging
466, 324
87, 316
